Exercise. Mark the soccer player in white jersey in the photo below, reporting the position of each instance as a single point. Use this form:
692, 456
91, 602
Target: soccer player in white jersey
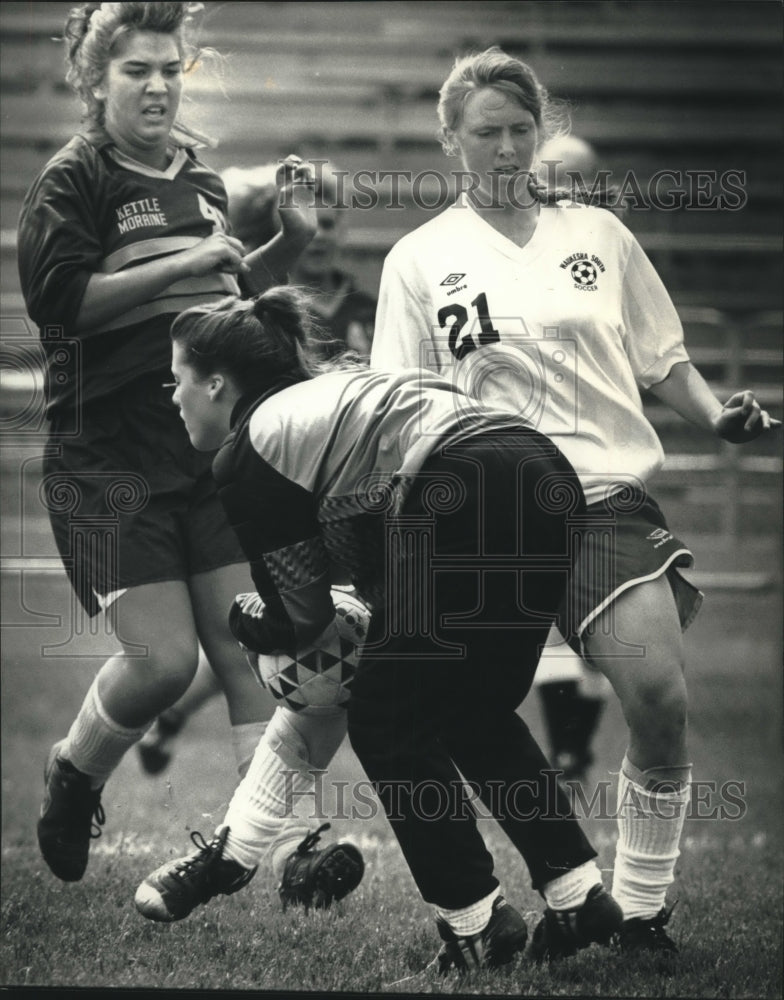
553, 311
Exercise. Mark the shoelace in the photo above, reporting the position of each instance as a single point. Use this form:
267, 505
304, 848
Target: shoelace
661, 920
97, 820
311, 840
206, 850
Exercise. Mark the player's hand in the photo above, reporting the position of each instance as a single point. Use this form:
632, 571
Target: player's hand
297, 202
742, 419
218, 252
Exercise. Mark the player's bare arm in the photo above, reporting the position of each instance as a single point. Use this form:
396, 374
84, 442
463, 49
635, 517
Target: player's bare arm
110, 295
271, 263
740, 419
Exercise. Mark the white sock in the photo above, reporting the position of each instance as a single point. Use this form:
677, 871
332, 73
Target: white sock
261, 816
649, 832
568, 891
95, 743
470, 919
244, 739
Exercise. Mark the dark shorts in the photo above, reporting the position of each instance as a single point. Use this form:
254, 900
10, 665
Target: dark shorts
130, 500
625, 542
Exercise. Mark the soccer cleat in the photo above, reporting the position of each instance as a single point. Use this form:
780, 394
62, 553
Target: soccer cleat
561, 933
647, 933
152, 748
172, 891
503, 937
316, 878
71, 816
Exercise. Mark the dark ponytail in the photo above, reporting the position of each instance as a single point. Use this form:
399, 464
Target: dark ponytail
256, 342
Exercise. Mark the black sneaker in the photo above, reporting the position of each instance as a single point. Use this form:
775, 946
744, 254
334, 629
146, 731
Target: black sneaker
172, 891
316, 878
647, 933
153, 747
71, 816
561, 933
504, 937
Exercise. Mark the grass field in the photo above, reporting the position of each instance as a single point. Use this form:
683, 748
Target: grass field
728, 920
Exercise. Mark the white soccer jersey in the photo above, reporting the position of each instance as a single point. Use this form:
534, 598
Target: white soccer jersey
562, 331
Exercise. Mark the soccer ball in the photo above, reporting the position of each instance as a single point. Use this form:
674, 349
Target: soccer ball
584, 273
317, 678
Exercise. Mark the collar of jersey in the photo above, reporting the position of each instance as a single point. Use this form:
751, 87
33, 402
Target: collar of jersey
128, 163
252, 400
98, 137
508, 247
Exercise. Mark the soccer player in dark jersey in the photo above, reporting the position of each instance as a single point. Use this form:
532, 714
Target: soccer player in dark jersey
124, 228
327, 475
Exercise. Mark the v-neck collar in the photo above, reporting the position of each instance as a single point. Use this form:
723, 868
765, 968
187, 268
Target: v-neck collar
534, 246
169, 174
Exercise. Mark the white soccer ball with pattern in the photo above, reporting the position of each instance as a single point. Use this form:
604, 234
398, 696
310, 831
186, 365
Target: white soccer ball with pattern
318, 677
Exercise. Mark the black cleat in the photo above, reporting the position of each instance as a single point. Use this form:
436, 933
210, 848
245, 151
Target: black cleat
174, 890
504, 937
647, 933
561, 933
71, 816
316, 878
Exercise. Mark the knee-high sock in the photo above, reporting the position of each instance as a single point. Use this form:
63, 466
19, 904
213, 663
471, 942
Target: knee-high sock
268, 814
651, 811
95, 743
245, 737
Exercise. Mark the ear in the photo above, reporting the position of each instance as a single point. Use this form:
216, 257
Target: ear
99, 92
215, 386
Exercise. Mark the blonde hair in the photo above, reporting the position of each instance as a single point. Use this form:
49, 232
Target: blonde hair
506, 74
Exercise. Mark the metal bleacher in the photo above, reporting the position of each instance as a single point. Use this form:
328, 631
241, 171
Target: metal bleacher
685, 87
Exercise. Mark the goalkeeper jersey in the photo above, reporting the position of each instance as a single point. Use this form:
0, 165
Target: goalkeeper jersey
94, 210
312, 471
562, 332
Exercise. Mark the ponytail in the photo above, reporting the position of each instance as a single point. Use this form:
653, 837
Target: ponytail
256, 342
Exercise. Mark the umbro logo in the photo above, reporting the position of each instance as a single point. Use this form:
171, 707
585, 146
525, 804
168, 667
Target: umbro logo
452, 279
659, 536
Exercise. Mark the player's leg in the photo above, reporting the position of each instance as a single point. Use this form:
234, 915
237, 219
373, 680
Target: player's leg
249, 705
511, 776
129, 691
156, 746
269, 816
263, 824
637, 643
572, 698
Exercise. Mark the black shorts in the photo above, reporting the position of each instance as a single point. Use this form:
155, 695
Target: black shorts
625, 541
129, 499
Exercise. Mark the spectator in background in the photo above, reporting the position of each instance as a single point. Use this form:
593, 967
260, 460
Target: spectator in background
345, 316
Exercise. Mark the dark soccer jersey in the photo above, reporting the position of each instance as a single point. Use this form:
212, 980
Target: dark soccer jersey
94, 210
